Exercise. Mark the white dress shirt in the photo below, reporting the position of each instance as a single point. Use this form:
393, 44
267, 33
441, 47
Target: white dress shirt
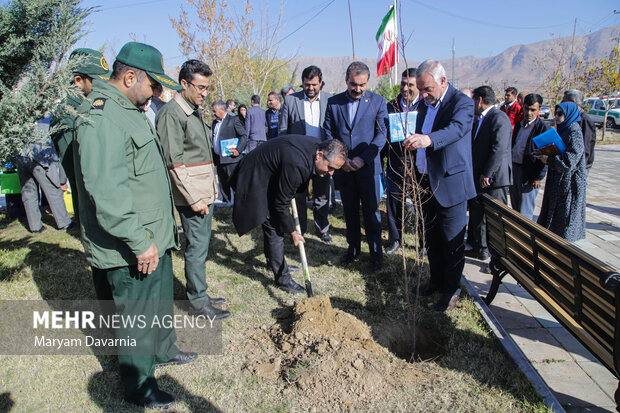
312, 115
427, 128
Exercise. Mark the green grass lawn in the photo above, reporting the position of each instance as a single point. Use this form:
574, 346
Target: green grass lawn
473, 374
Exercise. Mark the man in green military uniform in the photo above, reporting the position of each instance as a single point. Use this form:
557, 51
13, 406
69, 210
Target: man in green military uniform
187, 150
90, 66
126, 214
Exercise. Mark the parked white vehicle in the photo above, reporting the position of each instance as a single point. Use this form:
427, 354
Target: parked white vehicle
596, 109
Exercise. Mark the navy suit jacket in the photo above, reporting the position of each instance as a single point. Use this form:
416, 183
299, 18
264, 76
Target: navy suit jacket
448, 159
367, 135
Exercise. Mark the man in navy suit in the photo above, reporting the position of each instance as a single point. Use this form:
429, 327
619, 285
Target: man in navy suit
444, 168
359, 119
491, 145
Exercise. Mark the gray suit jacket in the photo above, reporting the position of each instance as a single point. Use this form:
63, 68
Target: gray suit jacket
293, 119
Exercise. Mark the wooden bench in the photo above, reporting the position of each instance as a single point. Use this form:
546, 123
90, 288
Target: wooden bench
580, 291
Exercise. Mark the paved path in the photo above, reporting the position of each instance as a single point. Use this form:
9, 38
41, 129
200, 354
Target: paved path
578, 380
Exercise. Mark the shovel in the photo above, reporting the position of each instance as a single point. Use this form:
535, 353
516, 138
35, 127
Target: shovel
302, 251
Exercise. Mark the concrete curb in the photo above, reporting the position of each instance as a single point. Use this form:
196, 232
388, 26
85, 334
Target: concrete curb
514, 351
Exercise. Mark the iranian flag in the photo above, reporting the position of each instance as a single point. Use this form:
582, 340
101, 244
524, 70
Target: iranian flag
386, 41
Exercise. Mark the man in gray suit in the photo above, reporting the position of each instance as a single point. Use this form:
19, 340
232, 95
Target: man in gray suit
303, 114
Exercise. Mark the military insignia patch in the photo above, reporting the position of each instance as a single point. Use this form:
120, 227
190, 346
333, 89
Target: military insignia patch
104, 63
99, 103
164, 80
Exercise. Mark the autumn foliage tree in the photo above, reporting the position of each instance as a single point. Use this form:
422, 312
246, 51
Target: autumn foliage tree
602, 77
242, 54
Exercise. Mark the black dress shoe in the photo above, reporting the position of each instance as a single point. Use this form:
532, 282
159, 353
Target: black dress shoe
348, 258
181, 358
394, 247
293, 288
427, 290
71, 225
478, 254
326, 238
216, 300
40, 230
157, 400
447, 301
212, 313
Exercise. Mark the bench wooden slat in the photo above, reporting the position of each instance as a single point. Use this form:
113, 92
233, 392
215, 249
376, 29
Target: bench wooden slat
580, 291
564, 317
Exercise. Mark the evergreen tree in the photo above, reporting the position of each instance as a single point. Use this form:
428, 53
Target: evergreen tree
35, 38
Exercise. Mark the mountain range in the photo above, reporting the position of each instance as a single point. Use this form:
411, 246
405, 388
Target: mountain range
513, 67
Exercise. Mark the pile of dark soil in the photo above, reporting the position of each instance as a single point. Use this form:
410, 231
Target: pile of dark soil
328, 356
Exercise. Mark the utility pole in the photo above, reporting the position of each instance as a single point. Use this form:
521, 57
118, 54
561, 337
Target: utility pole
453, 51
351, 23
572, 45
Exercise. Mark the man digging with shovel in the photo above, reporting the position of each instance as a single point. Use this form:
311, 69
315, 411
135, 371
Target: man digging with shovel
267, 179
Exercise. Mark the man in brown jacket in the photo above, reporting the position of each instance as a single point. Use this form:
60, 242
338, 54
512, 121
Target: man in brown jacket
187, 150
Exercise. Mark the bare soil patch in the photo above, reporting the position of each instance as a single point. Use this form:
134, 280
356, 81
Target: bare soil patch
330, 356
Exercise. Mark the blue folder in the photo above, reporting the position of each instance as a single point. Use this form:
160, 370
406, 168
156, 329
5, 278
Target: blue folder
227, 144
549, 137
402, 125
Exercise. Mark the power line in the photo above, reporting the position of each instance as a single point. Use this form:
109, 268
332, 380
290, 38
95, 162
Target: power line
306, 22
329, 3
485, 23
141, 3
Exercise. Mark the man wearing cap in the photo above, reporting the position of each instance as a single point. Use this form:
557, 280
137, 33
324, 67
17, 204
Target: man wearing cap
126, 215
188, 153
90, 65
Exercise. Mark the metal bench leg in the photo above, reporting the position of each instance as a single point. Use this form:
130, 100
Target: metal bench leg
498, 275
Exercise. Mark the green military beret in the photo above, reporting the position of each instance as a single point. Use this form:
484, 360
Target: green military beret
93, 63
145, 57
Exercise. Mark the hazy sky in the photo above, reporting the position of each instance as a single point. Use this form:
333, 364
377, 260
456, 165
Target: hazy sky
321, 27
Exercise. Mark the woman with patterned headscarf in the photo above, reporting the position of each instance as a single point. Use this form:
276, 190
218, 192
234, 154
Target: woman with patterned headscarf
564, 202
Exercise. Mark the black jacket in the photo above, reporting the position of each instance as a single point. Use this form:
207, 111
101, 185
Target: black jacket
491, 149
394, 151
268, 178
589, 137
535, 170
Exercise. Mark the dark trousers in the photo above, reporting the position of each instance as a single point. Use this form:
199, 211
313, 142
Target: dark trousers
224, 173
135, 294
444, 230
321, 187
197, 229
355, 188
477, 226
273, 244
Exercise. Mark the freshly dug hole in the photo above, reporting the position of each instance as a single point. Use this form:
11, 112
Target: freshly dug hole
398, 338
329, 356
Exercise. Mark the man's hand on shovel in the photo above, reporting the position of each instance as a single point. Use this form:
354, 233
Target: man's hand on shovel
297, 238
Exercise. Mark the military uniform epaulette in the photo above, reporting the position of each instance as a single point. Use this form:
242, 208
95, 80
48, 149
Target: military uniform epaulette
99, 103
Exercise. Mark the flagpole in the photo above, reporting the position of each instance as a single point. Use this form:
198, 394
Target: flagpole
351, 24
396, 44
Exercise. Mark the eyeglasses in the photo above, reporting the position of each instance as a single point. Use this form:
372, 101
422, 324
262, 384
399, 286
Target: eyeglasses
202, 88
